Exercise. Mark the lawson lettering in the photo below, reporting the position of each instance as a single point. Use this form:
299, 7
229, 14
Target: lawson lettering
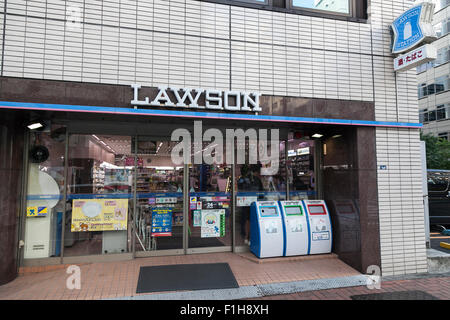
190, 98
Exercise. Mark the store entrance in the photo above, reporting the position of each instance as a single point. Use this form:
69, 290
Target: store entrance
210, 208
149, 205
159, 198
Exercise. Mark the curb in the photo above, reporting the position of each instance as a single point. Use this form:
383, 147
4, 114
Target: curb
256, 291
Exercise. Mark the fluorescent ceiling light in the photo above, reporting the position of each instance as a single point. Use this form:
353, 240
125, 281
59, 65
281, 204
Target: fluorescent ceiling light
337, 136
317, 135
34, 126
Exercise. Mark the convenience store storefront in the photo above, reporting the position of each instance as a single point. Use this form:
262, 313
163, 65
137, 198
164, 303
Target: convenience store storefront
105, 188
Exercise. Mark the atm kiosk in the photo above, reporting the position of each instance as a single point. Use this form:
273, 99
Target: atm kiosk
266, 229
347, 219
296, 230
320, 226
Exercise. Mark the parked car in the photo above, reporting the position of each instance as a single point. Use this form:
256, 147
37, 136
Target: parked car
439, 197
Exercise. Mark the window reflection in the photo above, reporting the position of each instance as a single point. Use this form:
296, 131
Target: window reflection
340, 6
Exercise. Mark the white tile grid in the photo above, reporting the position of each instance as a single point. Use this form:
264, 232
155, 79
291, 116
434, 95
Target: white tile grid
402, 236
248, 25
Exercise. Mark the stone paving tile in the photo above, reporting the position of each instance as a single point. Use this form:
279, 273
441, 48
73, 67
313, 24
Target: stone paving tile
437, 286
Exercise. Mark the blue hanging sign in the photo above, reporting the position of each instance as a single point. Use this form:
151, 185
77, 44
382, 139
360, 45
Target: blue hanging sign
413, 28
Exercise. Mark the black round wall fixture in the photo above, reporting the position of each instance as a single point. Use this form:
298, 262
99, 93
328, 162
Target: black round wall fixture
39, 154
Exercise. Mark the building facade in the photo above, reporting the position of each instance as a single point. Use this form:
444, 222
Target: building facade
433, 79
318, 70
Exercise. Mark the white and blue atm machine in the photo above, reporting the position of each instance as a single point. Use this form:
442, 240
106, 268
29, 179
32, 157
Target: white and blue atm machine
320, 233
296, 229
266, 229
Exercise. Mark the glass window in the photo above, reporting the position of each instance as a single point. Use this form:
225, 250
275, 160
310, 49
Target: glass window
421, 68
430, 89
336, 6
432, 115
441, 84
440, 112
254, 1
425, 66
442, 56
446, 26
438, 29
422, 115
426, 118
100, 179
423, 91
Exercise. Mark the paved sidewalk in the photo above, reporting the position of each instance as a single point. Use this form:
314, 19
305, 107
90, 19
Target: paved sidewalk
435, 285
311, 278
111, 280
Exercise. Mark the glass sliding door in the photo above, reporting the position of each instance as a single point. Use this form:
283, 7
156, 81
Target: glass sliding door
210, 211
159, 203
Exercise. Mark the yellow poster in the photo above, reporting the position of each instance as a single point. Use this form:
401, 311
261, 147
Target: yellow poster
99, 215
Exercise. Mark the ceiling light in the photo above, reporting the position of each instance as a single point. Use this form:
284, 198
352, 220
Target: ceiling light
337, 136
317, 135
35, 125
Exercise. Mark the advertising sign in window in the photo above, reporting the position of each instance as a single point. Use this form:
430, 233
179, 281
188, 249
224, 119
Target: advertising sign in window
99, 215
213, 223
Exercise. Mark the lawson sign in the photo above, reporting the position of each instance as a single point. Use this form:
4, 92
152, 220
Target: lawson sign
413, 28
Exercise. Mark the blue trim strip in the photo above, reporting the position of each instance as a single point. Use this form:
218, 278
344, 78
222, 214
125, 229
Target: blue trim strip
106, 196
162, 195
283, 222
309, 227
201, 115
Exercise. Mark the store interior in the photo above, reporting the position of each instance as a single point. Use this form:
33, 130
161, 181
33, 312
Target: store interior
112, 167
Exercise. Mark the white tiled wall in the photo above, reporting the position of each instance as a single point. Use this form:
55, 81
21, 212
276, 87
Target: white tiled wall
402, 233
191, 43
402, 230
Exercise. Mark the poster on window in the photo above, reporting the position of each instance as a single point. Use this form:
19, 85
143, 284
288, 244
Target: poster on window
213, 223
161, 222
99, 215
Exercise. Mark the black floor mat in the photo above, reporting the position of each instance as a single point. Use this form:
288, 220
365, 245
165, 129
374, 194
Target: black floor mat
186, 277
397, 295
